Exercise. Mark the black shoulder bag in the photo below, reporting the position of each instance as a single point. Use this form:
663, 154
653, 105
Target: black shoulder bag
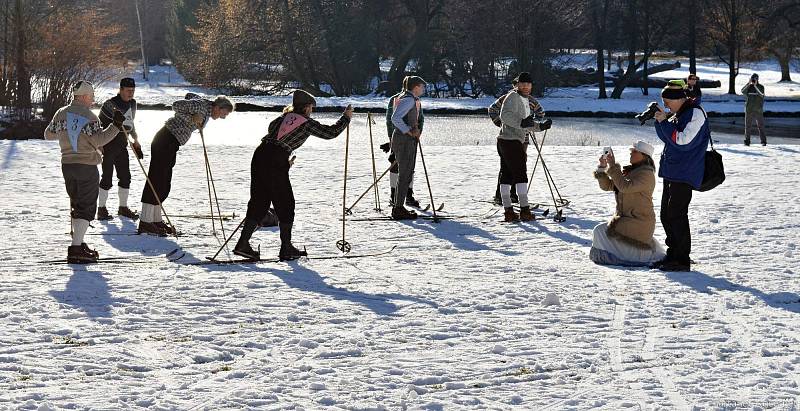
714, 173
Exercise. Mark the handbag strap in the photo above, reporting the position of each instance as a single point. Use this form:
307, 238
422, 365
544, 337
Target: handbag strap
710, 139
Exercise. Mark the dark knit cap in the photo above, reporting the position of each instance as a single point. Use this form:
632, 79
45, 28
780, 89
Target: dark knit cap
524, 77
127, 82
414, 81
673, 92
300, 98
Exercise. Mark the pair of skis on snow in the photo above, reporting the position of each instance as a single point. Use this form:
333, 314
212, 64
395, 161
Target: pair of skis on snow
177, 254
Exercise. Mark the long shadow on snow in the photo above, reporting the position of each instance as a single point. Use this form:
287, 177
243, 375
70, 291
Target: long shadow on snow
10, 154
115, 236
305, 279
786, 149
542, 227
703, 283
87, 290
742, 152
455, 232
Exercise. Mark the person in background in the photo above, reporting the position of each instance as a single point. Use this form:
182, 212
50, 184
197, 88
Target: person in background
115, 153
627, 239
753, 93
517, 121
494, 115
693, 89
405, 139
394, 175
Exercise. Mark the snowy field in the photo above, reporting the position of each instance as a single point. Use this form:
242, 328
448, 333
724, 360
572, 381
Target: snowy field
165, 86
455, 318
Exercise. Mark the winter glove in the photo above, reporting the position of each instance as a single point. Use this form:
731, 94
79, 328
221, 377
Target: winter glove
527, 122
544, 125
118, 119
386, 147
137, 148
198, 120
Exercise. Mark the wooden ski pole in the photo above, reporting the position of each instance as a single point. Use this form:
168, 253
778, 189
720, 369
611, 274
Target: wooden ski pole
370, 121
350, 209
342, 244
150, 184
425, 168
213, 186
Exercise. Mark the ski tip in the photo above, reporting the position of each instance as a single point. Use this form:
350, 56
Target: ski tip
441, 207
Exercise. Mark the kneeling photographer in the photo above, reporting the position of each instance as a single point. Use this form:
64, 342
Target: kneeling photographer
685, 133
627, 239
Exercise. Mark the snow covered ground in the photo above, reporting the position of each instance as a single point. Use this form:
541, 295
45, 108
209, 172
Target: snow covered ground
455, 318
165, 86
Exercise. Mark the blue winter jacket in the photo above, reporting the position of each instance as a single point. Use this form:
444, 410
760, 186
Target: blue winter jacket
685, 136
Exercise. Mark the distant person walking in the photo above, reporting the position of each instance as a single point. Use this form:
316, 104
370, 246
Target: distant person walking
753, 93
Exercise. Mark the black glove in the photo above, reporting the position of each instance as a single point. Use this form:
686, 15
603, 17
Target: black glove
139, 152
119, 118
544, 125
527, 122
386, 147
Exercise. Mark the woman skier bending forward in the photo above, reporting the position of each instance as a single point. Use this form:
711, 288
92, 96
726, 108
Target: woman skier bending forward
269, 171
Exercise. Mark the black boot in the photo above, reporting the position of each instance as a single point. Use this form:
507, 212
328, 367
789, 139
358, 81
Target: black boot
391, 199
76, 254
126, 212
401, 213
102, 214
86, 247
510, 216
288, 251
410, 200
243, 248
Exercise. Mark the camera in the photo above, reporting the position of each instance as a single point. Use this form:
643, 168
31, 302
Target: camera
607, 151
648, 113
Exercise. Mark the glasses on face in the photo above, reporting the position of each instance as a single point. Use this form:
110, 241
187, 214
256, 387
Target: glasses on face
693, 78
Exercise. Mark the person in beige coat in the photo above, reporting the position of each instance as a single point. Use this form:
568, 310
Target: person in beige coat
627, 239
81, 138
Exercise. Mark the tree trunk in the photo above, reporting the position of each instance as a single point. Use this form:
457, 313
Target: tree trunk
732, 45
601, 78
784, 58
693, 44
23, 76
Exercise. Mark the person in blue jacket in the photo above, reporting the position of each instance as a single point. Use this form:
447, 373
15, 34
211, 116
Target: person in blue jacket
685, 133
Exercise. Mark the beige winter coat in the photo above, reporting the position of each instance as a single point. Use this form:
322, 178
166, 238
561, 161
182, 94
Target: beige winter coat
634, 220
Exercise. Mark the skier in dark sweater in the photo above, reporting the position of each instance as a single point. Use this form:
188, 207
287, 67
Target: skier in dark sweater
190, 115
269, 171
115, 153
394, 176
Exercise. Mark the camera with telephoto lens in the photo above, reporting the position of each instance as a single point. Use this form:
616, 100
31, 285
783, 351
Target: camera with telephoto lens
648, 113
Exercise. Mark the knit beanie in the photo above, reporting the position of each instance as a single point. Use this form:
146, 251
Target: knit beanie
674, 90
82, 88
524, 77
301, 98
127, 82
